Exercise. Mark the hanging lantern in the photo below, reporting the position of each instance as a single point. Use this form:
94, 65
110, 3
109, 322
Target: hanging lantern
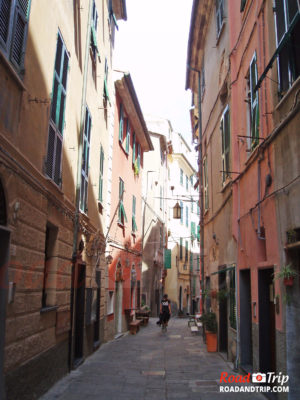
177, 211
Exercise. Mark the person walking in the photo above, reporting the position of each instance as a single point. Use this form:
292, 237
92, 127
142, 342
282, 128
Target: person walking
165, 311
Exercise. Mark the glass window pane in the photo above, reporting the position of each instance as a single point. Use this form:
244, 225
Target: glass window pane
58, 55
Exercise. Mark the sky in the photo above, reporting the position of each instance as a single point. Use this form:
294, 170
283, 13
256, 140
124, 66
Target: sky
152, 46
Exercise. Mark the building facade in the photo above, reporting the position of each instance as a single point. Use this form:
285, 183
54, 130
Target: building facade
182, 269
208, 77
124, 237
55, 108
154, 214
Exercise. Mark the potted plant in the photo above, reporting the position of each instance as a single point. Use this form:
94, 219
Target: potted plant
287, 273
210, 325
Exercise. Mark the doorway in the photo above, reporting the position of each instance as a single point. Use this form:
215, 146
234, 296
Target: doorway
79, 313
246, 320
267, 334
223, 316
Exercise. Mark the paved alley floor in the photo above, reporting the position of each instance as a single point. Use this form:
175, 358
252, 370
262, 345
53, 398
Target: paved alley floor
149, 366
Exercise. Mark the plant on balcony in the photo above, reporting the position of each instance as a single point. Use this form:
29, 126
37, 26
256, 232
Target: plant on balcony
222, 295
288, 274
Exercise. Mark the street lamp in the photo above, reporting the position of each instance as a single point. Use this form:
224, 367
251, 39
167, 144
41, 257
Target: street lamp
177, 211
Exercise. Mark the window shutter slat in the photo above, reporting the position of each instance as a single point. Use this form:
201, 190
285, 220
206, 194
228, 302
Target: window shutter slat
57, 166
18, 38
24, 4
50, 154
4, 19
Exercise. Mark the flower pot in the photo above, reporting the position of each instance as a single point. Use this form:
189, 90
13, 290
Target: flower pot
211, 341
288, 281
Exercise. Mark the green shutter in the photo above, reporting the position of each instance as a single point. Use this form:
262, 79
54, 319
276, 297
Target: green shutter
127, 137
94, 40
198, 232
193, 230
186, 250
133, 148
181, 213
167, 259
123, 213
106, 94
138, 156
121, 124
134, 226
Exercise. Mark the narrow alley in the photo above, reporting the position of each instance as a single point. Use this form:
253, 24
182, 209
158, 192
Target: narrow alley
149, 365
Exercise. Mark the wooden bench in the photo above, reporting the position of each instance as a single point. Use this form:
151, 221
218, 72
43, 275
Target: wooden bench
134, 326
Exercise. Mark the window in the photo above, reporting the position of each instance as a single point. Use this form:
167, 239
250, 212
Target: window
225, 132
181, 212
193, 230
180, 248
50, 266
105, 88
187, 216
14, 16
127, 143
198, 233
85, 161
101, 174
219, 15
94, 26
232, 302
121, 124
254, 105
243, 4
287, 17
205, 181
122, 214
134, 226
110, 302
133, 148
186, 250
57, 116
138, 156
181, 176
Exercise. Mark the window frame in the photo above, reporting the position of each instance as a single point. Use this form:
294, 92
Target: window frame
225, 136
254, 103
86, 139
122, 218
16, 13
220, 6
53, 160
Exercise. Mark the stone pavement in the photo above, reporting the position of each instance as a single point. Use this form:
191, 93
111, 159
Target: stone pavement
151, 365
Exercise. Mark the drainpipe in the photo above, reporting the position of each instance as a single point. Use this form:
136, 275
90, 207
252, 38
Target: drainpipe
78, 179
236, 363
259, 198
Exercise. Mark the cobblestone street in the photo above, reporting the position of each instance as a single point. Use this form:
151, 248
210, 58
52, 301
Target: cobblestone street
149, 365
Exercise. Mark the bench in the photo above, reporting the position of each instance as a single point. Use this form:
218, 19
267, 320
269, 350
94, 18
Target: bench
134, 326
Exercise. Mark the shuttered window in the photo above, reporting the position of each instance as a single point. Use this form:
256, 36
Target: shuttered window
101, 174
105, 89
122, 214
138, 156
186, 250
187, 216
121, 122
181, 212
219, 15
14, 16
85, 161
254, 106
225, 133
193, 230
94, 26
133, 148
134, 226
127, 143
57, 116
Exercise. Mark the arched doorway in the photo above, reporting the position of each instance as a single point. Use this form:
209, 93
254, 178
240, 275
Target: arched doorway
4, 257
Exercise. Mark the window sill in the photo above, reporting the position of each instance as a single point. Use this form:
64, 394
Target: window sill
52, 183
12, 72
47, 309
